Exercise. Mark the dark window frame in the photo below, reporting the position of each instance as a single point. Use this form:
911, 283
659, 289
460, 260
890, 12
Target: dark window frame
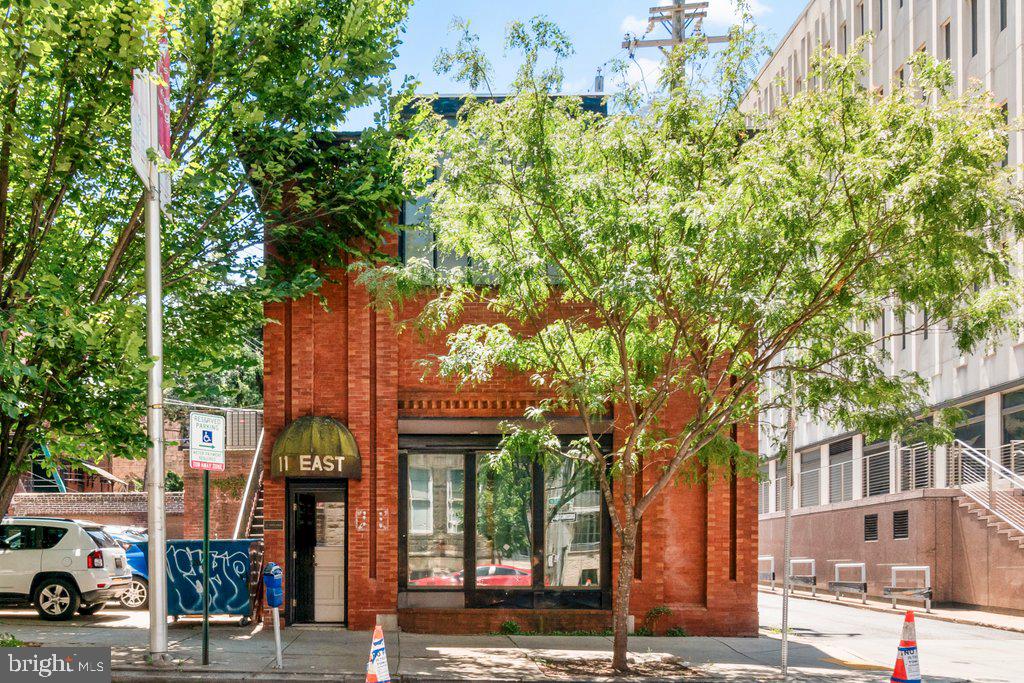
537, 596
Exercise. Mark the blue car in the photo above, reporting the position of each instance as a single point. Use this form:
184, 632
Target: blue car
132, 540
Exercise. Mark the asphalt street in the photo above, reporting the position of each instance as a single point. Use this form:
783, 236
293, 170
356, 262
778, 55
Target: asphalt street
858, 636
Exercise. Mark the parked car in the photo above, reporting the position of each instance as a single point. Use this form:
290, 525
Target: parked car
60, 566
132, 540
486, 575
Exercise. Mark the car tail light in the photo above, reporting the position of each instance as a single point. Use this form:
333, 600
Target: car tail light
94, 560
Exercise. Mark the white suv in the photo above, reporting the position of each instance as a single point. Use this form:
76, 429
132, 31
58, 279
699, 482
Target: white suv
60, 566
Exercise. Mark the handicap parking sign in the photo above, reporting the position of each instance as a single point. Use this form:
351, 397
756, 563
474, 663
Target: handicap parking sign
206, 447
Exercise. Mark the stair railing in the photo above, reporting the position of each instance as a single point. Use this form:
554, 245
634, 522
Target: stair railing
990, 484
252, 487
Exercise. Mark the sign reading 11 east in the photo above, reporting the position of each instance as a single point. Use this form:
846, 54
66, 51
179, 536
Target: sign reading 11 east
206, 442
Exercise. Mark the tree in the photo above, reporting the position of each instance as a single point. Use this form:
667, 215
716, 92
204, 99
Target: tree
677, 249
260, 79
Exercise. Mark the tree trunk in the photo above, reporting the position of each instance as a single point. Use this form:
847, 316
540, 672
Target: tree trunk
8, 485
620, 610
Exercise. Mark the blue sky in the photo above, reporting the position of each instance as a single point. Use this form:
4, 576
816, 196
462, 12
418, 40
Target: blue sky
596, 28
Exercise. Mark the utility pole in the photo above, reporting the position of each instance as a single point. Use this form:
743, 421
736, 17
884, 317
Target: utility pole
787, 531
682, 20
150, 117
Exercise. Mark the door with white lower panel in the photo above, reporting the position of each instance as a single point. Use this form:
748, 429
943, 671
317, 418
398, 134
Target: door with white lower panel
329, 563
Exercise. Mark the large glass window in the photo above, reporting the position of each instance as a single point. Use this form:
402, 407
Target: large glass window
436, 490
1013, 431
530, 532
572, 524
972, 429
504, 522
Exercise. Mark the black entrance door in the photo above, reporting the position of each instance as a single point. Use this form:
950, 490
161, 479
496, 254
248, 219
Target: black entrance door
303, 544
316, 543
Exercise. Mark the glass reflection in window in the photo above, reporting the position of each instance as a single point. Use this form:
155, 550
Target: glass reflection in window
435, 512
572, 524
503, 522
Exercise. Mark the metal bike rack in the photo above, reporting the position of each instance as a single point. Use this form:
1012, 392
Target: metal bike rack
804, 579
839, 586
768, 576
923, 593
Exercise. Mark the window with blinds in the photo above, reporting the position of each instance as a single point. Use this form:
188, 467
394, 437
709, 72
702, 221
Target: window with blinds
870, 527
900, 524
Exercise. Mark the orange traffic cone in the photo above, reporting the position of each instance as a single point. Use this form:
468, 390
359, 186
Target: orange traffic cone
907, 669
377, 667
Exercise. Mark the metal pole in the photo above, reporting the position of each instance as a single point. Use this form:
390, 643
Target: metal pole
787, 534
277, 638
206, 567
155, 428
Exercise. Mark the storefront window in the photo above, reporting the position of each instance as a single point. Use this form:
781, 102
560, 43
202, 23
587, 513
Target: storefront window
504, 521
435, 519
532, 532
572, 525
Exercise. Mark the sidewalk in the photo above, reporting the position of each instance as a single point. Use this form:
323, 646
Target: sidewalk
320, 654
952, 615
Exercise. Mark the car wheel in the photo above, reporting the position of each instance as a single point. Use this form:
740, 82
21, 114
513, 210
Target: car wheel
137, 595
91, 609
56, 599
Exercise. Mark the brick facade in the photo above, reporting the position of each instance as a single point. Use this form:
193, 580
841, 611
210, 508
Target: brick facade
123, 509
226, 489
341, 359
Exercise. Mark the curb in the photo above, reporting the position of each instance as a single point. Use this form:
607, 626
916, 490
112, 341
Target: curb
889, 610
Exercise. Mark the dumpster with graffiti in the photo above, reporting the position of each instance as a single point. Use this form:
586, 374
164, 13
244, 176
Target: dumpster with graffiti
230, 577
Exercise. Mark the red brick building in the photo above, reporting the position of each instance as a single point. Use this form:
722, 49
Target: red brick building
379, 533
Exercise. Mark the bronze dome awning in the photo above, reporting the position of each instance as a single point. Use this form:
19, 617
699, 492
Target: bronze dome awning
315, 446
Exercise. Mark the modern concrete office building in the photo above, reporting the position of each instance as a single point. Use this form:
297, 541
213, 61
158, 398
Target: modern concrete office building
958, 510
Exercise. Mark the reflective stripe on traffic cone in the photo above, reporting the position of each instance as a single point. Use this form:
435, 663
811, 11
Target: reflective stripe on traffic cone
377, 667
907, 669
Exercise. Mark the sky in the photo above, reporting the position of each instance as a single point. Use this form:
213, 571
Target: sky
595, 26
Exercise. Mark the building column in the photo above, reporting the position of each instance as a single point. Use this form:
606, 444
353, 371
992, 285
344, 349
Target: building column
993, 424
858, 466
894, 470
824, 477
940, 467
773, 475
797, 468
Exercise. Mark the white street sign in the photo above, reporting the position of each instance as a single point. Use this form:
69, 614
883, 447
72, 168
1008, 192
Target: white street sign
206, 442
151, 125
142, 122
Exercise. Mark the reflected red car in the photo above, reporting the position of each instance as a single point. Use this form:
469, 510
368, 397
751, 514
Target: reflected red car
486, 575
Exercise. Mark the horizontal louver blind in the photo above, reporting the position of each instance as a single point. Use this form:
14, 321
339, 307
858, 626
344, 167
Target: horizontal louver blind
870, 527
901, 524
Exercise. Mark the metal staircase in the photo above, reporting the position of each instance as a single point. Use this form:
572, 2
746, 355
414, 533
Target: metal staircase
992, 492
249, 524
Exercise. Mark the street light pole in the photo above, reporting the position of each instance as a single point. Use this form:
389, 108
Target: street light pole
787, 531
155, 429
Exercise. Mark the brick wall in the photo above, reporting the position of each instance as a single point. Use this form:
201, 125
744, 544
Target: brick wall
343, 360
128, 509
226, 490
